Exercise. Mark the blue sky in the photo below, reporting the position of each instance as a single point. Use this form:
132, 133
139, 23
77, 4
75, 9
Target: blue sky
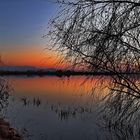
24, 21
22, 24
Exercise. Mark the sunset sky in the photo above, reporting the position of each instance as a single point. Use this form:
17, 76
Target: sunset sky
22, 24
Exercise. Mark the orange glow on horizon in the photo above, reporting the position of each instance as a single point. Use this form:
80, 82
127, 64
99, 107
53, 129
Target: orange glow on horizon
32, 56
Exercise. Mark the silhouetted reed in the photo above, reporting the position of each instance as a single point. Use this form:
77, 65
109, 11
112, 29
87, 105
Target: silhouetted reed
67, 112
27, 102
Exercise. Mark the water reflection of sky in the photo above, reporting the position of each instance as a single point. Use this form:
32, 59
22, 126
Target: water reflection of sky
55, 108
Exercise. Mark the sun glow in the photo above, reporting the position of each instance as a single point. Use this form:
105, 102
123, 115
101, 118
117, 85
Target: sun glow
32, 55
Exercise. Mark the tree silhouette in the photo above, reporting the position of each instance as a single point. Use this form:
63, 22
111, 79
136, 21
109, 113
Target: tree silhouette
103, 35
100, 35
5, 90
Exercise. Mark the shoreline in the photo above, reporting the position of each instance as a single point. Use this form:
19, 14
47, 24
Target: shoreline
7, 132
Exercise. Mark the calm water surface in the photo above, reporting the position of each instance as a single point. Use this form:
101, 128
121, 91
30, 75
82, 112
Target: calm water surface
54, 108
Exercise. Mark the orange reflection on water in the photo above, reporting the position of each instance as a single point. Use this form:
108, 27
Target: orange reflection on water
60, 88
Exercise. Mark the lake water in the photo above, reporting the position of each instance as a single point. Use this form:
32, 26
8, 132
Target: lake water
54, 108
